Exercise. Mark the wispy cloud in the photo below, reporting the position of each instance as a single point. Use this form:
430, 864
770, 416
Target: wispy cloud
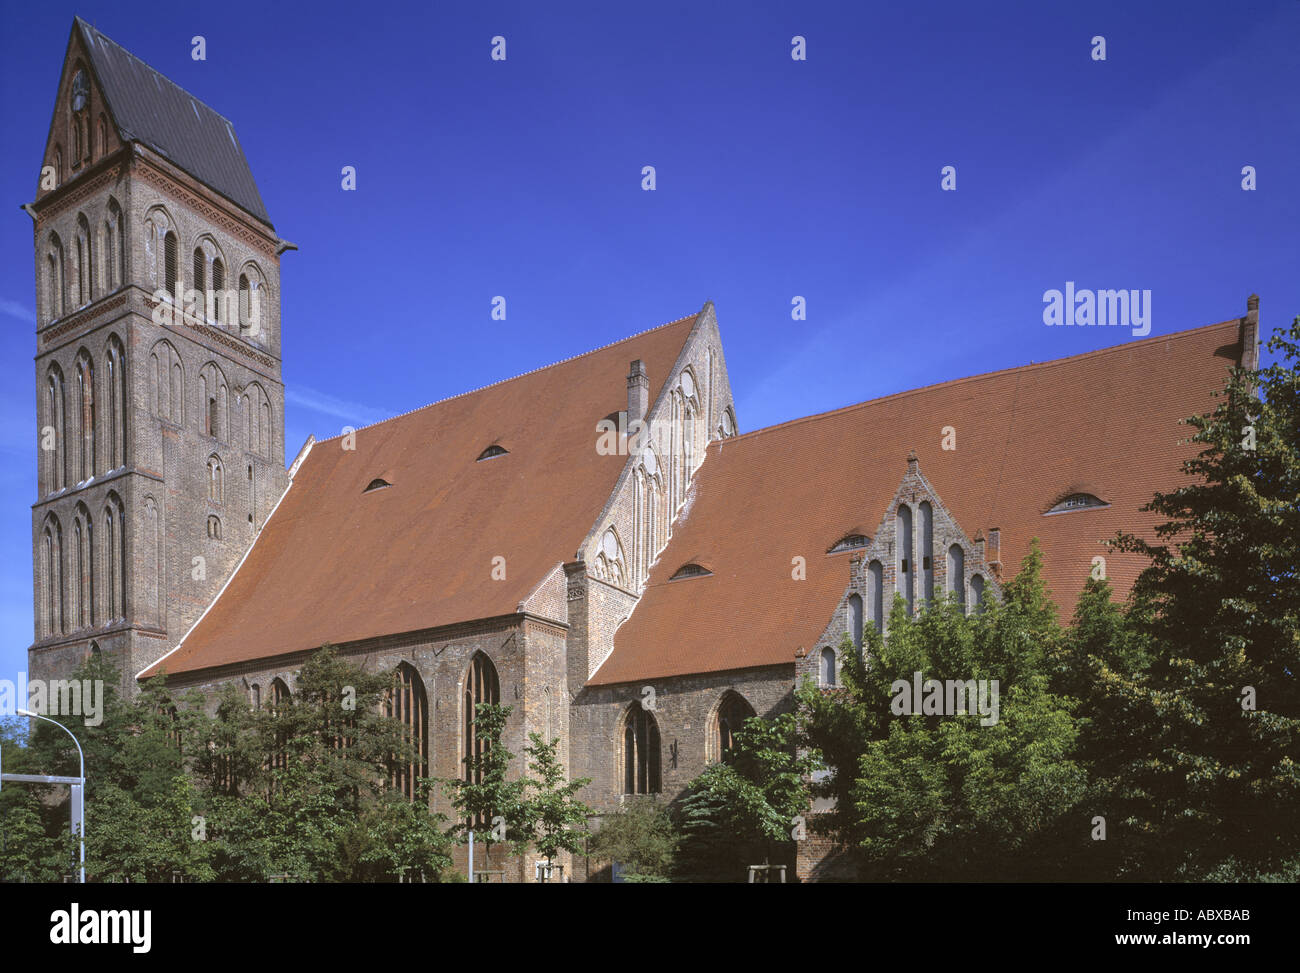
354, 413
16, 310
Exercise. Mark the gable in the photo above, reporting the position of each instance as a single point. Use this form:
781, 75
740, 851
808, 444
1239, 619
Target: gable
1025, 437
78, 136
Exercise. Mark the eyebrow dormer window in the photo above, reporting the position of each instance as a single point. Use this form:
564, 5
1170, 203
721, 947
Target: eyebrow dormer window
691, 571
1077, 501
850, 542
493, 450
377, 484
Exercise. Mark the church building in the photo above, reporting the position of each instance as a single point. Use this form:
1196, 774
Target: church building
595, 543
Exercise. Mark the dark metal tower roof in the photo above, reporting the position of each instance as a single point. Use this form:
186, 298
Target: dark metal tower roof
155, 111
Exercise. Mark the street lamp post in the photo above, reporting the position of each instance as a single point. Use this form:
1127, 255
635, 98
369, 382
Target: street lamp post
79, 789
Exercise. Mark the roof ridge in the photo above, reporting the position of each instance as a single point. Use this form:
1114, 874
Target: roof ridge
92, 32
531, 371
1095, 352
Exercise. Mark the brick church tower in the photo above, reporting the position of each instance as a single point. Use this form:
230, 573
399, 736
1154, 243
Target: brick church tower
160, 406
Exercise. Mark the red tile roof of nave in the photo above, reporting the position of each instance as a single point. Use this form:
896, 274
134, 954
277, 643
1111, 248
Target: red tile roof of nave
1105, 422
336, 564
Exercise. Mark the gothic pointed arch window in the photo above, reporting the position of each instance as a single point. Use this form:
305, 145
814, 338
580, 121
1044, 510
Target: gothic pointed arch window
906, 563
609, 560
855, 620
198, 283
114, 250
826, 667
281, 699
927, 552
85, 262
217, 300
167, 383
481, 687
216, 479
876, 594
957, 574
102, 145
114, 558
77, 567
115, 384
153, 561
55, 285
214, 402
641, 757
77, 139
52, 621
408, 703
171, 263
83, 568
977, 592
85, 376
55, 424
733, 711
252, 303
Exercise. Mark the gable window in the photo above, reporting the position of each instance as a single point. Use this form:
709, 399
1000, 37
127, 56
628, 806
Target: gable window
876, 594
1077, 501
957, 573
855, 620
640, 752
903, 538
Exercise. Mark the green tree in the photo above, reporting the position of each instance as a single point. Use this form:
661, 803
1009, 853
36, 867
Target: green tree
551, 817
747, 803
955, 797
642, 836
1219, 706
486, 794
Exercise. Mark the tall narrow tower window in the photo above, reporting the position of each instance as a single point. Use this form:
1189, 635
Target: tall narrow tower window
171, 267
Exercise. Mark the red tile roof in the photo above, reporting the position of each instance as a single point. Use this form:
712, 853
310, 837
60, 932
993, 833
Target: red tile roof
1105, 422
336, 564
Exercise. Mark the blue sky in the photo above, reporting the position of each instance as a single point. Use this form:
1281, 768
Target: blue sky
775, 178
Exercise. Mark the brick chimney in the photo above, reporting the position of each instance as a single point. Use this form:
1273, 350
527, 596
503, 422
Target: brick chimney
638, 393
1250, 333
